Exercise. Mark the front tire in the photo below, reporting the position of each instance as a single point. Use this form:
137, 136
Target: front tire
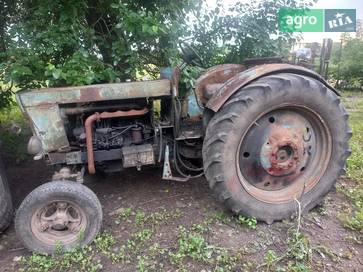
281, 139
57, 214
6, 205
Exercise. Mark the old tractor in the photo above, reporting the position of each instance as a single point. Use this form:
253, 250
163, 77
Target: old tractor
266, 138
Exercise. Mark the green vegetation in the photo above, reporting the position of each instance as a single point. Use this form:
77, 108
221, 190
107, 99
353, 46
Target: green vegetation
191, 244
140, 218
351, 64
86, 42
347, 60
14, 133
123, 215
104, 242
297, 256
156, 218
141, 249
143, 235
249, 222
80, 259
355, 160
353, 217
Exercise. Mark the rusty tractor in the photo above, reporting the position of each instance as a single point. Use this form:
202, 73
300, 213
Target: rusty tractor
266, 138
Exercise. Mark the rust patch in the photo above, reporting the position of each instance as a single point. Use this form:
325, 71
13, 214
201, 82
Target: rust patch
211, 80
175, 81
283, 154
245, 77
90, 94
285, 151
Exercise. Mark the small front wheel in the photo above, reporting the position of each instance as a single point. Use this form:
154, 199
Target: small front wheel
58, 214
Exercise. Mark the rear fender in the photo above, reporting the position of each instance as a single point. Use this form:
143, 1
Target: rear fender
214, 77
224, 91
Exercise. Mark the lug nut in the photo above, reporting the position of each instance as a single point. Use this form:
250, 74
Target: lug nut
44, 227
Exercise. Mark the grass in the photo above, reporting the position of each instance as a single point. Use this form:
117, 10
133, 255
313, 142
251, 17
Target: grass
297, 256
123, 215
143, 235
353, 101
353, 217
250, 222
141, 250
104, 242
193, 245
156, 218
82, 259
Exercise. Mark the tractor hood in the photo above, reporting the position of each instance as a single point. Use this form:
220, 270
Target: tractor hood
42, 106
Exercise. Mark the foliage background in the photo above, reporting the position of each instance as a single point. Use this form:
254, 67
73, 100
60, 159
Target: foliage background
347, 62
64, 42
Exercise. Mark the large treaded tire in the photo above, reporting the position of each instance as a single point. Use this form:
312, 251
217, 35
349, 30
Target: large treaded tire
58, 191
6, 205
242, 110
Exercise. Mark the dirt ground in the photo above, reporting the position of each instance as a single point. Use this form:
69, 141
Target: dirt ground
340, 249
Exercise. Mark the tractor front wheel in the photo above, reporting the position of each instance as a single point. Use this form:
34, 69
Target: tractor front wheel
280, 141
58, 215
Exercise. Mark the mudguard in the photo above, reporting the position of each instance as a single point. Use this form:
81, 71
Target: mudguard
226, 90
213, 77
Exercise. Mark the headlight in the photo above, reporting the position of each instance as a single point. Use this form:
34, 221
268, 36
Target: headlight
34, 145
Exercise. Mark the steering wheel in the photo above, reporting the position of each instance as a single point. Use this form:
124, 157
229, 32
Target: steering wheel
190, 54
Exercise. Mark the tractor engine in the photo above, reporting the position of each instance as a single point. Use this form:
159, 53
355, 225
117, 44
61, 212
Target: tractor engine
112, 136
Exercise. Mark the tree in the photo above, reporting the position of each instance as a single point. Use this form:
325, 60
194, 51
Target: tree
86, 41
245, 30
347, 61
63, 42
352, 64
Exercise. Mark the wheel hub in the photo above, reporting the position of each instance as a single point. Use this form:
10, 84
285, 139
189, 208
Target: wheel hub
282, 153
58, 221
61, 219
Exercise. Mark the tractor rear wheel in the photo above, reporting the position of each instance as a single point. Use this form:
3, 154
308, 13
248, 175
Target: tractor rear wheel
280, 141
57, 214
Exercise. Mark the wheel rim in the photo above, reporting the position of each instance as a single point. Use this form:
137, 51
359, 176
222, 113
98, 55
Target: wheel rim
58, 222
283, 154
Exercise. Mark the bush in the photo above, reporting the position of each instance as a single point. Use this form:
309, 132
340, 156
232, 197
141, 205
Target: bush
351, 65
